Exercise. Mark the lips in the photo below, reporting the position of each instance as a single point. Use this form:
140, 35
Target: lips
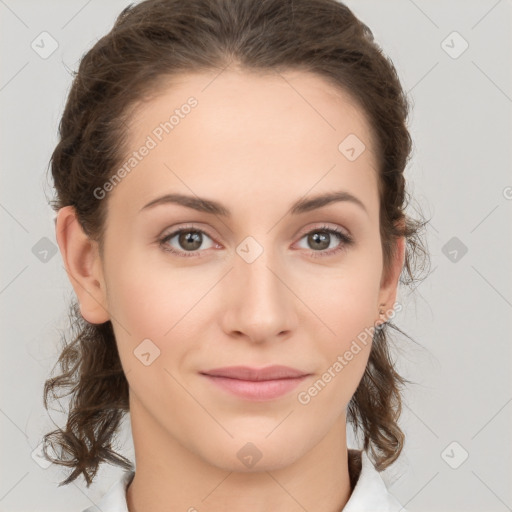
256, 384
256, 374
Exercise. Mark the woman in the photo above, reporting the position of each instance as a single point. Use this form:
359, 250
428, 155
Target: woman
230, 197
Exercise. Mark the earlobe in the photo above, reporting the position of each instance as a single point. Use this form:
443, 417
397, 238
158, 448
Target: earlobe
83, 266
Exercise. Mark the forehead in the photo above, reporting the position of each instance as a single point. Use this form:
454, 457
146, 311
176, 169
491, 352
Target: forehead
307, 104
273, 134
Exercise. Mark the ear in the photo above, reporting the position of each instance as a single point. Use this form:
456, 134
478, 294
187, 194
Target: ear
83, 266
389, 281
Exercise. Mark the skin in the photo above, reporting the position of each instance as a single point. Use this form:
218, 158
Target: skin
256, 144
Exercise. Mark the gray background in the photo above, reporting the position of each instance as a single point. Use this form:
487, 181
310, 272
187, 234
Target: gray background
459, 175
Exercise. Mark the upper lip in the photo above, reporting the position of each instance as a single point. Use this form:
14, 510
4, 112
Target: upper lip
247, 373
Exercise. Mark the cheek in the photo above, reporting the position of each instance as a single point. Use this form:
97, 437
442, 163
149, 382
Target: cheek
345, 300
147, 309
344, 352
351, 317
346, 306
148, 298
159, 303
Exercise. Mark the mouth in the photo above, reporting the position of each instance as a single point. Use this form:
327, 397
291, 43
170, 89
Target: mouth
256, 384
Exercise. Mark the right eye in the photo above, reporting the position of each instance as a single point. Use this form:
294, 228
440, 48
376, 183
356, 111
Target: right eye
189, 238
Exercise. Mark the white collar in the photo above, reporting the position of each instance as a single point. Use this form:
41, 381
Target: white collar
370, 493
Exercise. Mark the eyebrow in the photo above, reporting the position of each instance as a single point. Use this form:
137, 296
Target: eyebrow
216, 208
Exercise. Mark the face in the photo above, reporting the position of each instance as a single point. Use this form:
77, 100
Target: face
255, 282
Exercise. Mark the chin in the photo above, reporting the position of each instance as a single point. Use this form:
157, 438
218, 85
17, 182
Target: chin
243, 455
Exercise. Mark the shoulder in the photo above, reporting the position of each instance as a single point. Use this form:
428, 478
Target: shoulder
369, 492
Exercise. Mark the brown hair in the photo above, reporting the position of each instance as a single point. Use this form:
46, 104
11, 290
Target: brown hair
150, 42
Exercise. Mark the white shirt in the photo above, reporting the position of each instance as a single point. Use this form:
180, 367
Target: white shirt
370, 493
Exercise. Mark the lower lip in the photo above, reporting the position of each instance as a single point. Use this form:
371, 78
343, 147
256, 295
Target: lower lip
257, 390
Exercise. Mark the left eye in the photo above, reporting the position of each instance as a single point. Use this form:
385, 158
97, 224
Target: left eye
319, 237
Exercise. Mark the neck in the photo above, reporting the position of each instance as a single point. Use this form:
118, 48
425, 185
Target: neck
169, 476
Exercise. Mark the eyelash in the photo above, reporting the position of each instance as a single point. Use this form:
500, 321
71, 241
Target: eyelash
346, 242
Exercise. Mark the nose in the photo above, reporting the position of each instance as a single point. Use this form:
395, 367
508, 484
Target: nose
260, 305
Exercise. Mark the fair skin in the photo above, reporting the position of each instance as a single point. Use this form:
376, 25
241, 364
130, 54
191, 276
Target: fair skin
255, 145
